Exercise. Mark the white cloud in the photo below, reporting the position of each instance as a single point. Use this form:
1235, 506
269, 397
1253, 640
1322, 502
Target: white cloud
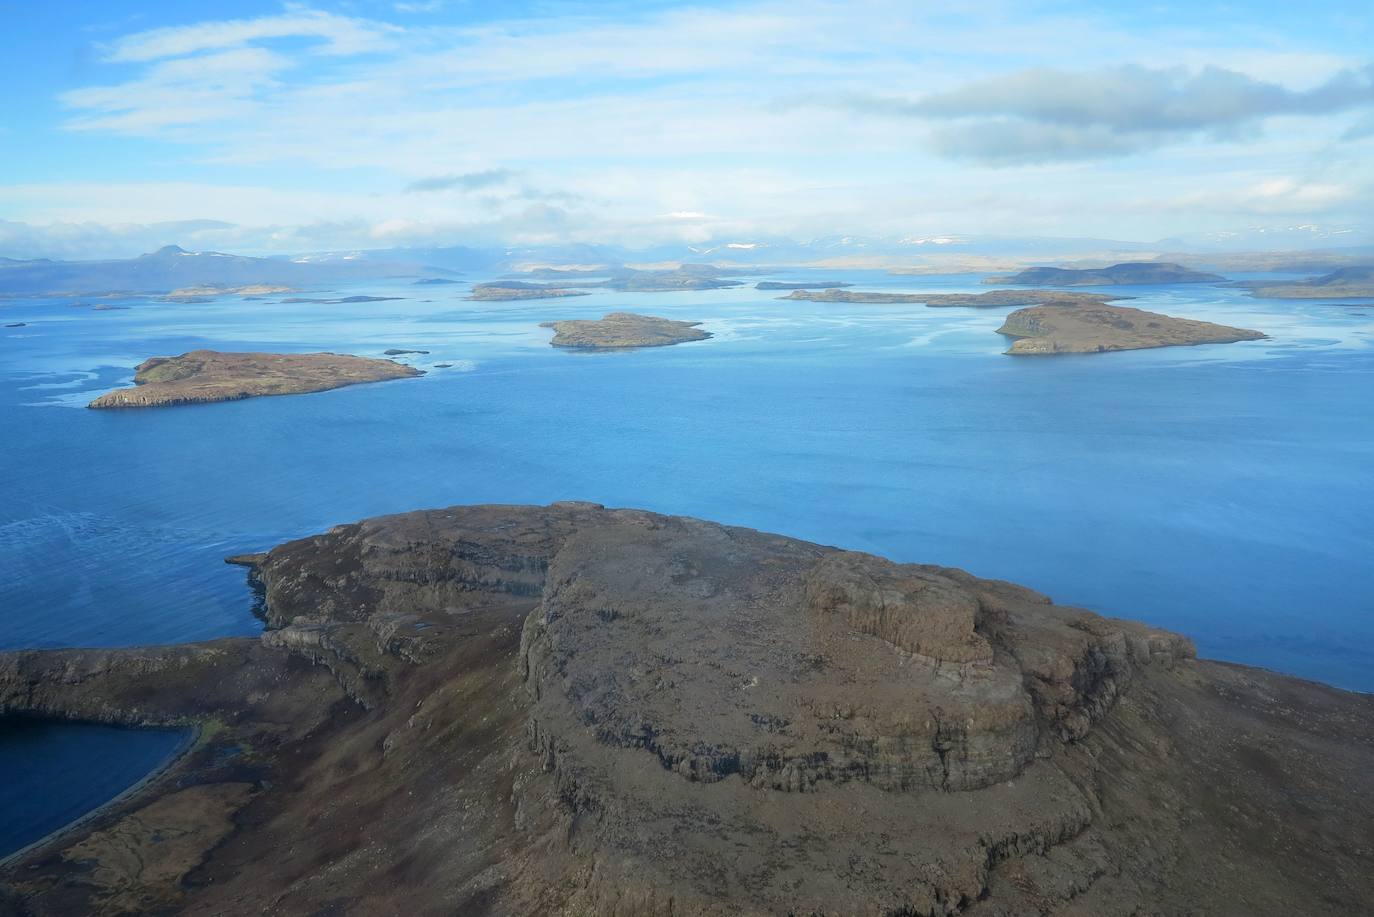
337, 34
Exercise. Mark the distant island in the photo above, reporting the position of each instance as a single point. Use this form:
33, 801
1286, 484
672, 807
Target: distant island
631, 280
1099, 328
207, 292
342, 300
434, 281
815, 285
1126, 273
502, 290
975, 300
623, 330
204, 376
1342, 283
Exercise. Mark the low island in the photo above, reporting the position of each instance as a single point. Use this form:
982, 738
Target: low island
570, 709
203, 376
813, 285
1355, 282
1129, 272
622, 331
990, 299
1052, 329
500, 291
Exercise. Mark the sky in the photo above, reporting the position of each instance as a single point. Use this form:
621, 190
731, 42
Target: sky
263, 127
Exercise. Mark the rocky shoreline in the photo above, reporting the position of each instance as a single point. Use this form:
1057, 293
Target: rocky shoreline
569, 709
204, 376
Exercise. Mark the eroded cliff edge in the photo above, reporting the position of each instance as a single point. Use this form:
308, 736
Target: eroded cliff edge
570, 709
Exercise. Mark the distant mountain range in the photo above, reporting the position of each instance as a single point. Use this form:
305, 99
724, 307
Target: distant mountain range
172, 268
1130, 272
1048, 262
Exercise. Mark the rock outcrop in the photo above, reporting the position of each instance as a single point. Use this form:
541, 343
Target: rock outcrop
203, 376
569, 709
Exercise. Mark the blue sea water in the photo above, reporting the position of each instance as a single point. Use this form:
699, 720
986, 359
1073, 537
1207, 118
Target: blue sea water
1223, 491
56, 772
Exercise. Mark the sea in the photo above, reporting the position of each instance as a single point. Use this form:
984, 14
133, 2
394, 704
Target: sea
1223, 491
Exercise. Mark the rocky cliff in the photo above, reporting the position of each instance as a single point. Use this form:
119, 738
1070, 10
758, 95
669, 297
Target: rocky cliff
568, 709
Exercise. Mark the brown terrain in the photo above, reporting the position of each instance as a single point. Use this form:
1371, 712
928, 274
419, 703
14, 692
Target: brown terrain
574, 710
623, 330
977, 300
207, 375
514, 290
1352, 282
1097, 328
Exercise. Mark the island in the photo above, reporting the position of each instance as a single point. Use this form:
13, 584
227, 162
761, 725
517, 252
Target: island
342, 300
990, 299
207, 292
1355, 282
515, 290
579, 710
1129, 272
203, 376
787, 285
685, 277
1052, 329
622, 331
399, 351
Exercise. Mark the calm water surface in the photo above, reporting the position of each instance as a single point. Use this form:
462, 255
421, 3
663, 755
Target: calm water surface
1223, 491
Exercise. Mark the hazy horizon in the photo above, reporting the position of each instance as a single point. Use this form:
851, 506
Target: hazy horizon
292, 127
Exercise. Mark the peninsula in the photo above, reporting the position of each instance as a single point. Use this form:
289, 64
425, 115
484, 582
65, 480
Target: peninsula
207, 375
975, 300
1097, 328
570, 709
623, 330
1343, 283
1129, 272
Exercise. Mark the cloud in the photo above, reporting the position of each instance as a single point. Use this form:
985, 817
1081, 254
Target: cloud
339, 35
467, 181
1044, 114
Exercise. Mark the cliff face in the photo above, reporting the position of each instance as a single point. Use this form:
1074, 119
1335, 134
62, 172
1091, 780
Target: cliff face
568, 709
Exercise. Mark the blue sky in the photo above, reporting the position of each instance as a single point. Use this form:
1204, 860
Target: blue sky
263, 126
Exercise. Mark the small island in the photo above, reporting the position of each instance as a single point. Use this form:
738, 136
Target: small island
989, 299
204, 376
813, 285
1126, 273
622, 331
515, 290
1099, 328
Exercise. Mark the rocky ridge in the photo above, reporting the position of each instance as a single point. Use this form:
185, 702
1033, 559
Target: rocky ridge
569, 709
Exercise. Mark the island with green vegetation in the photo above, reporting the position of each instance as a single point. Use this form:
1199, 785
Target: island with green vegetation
204, 376
1053, 329
570, 709
1126, 273
1356, 282
622, 331
989, 299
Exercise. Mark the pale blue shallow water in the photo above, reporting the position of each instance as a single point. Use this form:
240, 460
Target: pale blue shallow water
1223, 491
